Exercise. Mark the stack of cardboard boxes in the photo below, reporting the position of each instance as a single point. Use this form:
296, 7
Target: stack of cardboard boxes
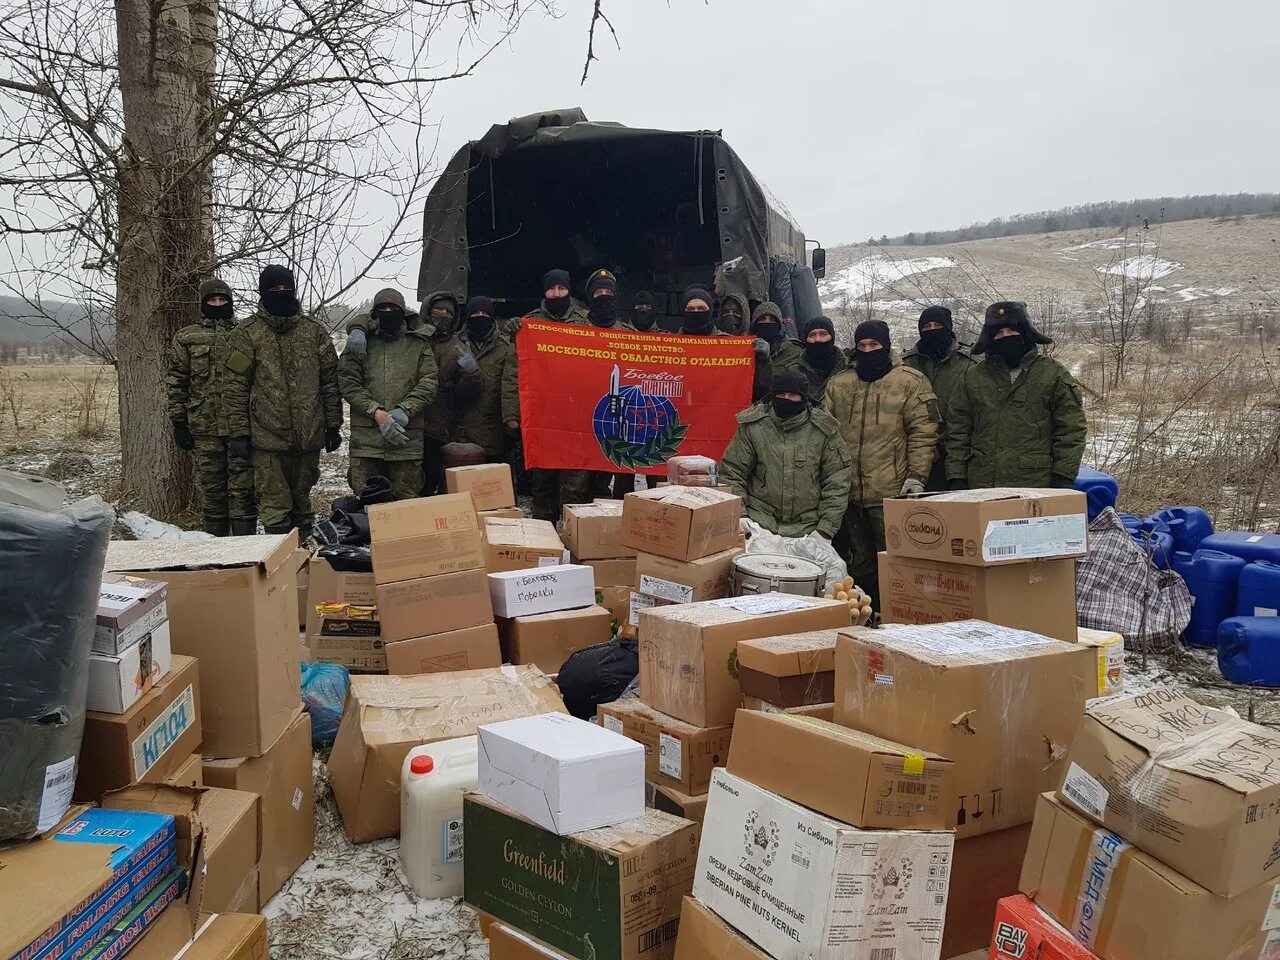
790, 674
593, 534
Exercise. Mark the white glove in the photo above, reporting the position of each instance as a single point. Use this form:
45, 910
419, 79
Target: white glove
912, 488
356, 344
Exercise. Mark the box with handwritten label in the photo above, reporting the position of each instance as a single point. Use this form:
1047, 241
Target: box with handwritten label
522, 593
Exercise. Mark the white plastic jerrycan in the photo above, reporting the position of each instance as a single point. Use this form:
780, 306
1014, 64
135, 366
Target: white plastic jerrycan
432, 781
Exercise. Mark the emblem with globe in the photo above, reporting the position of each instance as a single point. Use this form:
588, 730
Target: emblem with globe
635, 428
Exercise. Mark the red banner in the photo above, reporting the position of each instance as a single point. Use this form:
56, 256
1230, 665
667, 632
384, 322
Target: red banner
624, 402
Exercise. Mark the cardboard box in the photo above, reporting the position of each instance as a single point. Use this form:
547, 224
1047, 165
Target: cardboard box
791, 671
281, 777
469, 649
798, 883
148, 742
677, 803
489, 484
688, 652
704, 936
327, 585
564, 774
304, 585
985, 527
819, 711
523, 593
612, 573
1002, 703
501, 513
1023, 930
547, 640
608, 894
177, 935
424, 537
233, 605
117, 682
385, 717
508, 943
349, 635
189, 774
129, 608
1195, 787
593, 531
1110, 648
522, 545
1121, 903
983, 870
686, 581
418, 608
676, 753
683, 523
617, 600
1039, 595
857, 778
230, 819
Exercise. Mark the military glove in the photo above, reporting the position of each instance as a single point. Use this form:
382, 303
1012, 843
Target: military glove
182, 436
393, 434
912, 488
240, 448
332, 439
957, 484
400, 417
357, 346
762, 348
467, 365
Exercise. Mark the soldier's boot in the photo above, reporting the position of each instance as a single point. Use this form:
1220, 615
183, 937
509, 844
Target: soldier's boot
244, 526
218, 528
277, 528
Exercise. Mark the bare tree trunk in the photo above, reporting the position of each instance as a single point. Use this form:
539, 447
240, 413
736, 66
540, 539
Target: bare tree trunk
164, 234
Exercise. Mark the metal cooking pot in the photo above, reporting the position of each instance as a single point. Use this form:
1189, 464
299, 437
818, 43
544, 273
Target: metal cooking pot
765, 573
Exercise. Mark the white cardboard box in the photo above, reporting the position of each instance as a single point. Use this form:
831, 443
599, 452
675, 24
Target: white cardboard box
116, 683
803, 886
522, 593
566, 775
129, 608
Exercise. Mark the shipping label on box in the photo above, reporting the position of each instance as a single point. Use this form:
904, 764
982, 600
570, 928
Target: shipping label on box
802, 885
523, 593
489, 484
129, 608
686, 581
676, 753
424, 537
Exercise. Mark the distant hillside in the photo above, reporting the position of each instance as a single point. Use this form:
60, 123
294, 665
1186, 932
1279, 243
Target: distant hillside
21, 323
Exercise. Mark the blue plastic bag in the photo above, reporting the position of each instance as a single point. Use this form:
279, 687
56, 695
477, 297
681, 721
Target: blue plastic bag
324, 691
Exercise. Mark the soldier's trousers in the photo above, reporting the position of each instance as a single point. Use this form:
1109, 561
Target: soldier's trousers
405, 475
554, 488
859, 540
431, 481
284, 482
226, 484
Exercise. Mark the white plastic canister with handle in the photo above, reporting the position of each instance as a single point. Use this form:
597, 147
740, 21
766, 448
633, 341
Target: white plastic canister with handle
432, 781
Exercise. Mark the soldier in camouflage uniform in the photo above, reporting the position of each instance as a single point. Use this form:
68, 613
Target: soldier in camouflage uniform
1017, 418
388, 390
197, 408
775, 351
789, 463
283, 404
494, 417
822, 358
944, 360
557, 304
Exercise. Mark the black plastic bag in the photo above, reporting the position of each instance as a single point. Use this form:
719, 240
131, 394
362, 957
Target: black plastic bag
780, 288
804, 291
597, 675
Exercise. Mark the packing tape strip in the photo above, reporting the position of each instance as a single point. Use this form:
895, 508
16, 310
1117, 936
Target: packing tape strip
913, 764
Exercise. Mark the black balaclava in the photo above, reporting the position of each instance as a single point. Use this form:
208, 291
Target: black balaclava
697, 322
874, 365
1010, 349
479, 319
789, 381
731, 315
641, 318
216, 288
769, 330
558, 307
390, 317
936, 343
280, 303
602, 310
820, 356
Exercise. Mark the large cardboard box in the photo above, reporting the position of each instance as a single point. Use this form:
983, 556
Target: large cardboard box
704, 936
424, 537
593, 531
983, 870
985, 527
523, 593
230, 819
348, 634
688, 651
489, 484
676, 753
233, 605
522, 545
327, 585
1122, 903
1023, 930
683, 523
469, 649
802, 885
1195, 787
1002, 703
281, 777
857, 778
385, 717
419, 608
117, 682
612, 573
547, 640
178, 935
148, 742
1039, 595
686, 581
129, 608
819, 711
607, 894
792, 671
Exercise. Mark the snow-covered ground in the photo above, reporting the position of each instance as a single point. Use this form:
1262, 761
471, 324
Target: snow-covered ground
1147, 266
874, 273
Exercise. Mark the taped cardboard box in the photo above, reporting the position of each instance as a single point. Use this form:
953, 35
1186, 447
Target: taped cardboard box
683, 523
593, 531
688, 652
985, 527
281, 777
704, 936
547, 640
470, 649
798, 670
677, 754
819, 711
668, 799
1110, 649
117, 682
149, 741
983, 870
508, 943
385, 717
178, 935
418, 608
1122, 903
424, 537
686, 581
489, 484
327, 585
1002, 703
607, 894
611, 573
1194, 786
233, 605
802, 885
129, 608
1039, 595
857, 778
1024, 930
522, 545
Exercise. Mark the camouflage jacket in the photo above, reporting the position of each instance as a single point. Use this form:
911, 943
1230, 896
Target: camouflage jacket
818, 379
393, 373
482, 421
787, 355
198, 375
945, 376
